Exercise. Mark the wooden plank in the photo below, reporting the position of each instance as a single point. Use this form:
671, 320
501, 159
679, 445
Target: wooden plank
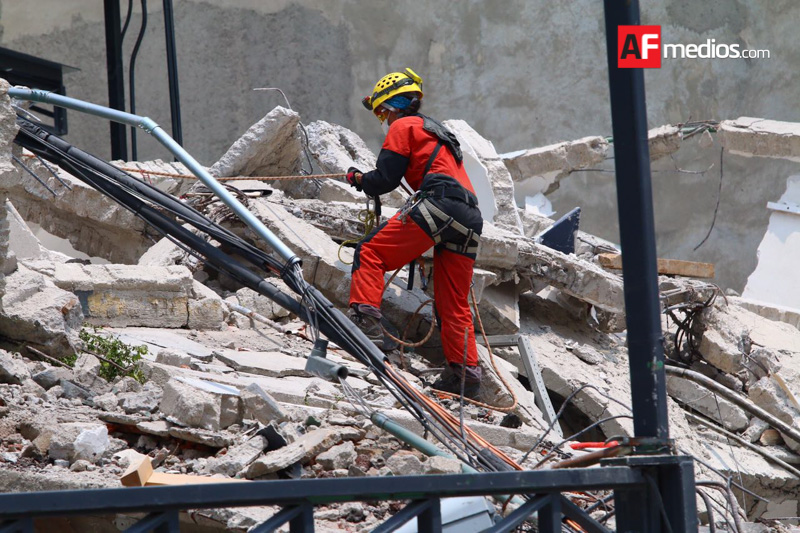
159, 479
669, 267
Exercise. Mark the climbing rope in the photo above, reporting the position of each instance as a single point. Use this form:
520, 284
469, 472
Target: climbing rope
404, 343
367, 217
252, 178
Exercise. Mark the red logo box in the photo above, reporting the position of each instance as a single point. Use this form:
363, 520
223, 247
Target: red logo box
639, 47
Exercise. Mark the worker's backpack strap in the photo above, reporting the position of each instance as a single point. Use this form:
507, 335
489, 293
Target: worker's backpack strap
432, 158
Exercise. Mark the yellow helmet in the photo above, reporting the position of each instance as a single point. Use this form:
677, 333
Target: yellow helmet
393, 84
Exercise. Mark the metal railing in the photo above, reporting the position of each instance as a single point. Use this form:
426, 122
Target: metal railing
298, 498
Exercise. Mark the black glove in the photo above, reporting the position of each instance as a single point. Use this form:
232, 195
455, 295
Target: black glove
354, 178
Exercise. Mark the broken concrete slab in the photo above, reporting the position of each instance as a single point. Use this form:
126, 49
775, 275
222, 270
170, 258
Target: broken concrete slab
261, 304
145, 401
156, 339
187, 404
493, 184
748, 136
663, 141
766, 393
273, 364
127, 295
90, 221
270, 147
163, 253
335, 149
51, 377
23, 243
540, 170
238, 457
301, 450
698, 398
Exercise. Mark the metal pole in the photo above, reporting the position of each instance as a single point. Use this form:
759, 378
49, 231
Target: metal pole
149, 126
637, 232
116, 81
172, 72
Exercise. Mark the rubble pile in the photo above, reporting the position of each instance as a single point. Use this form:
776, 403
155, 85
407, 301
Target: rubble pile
221, 390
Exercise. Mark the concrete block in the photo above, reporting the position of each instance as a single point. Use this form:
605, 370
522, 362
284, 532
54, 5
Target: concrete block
663, 141
191, 403
339, 456
78, 440
129, 295
748, 136
261, 304
766, 394
441, 465
273, 364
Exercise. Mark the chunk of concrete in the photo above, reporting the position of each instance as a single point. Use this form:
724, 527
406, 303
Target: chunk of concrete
270, 147
748, 136
259, 405
12, 369
540, 170
499, 309
404, 464
172, 357
163, 253
301, 450
441, 465
213, 408
340, 456
78, 440
145, 401
87, 374
335, 149
766, 394
262, 305
493, 184
129, 295
273, 364
52, 376
663, 141
698, 398
36, 312
22, 242
206, 308
238, 457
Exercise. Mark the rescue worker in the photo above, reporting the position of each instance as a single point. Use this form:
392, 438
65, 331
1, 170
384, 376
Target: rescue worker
443, 213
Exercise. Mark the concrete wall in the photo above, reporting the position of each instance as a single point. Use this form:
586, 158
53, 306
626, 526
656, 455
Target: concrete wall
522, 73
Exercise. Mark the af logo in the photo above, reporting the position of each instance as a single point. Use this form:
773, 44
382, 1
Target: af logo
639, 47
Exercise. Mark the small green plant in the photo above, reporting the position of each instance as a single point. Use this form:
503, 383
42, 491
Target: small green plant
121, 359
69, 360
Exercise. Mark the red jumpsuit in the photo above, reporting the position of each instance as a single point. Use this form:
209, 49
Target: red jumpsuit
408, 151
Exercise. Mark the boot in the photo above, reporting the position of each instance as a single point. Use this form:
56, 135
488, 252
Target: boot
450, 380
368, 320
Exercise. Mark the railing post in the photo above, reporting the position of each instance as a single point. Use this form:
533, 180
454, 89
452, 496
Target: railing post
550, 514
304, 521
430, 520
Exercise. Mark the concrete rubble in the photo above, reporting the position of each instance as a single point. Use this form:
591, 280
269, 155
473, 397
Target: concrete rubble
218, 393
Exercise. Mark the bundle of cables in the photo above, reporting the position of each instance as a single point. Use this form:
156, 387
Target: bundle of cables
250, 267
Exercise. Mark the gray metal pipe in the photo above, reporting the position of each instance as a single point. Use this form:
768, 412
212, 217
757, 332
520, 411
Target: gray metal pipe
735, 398
150, 126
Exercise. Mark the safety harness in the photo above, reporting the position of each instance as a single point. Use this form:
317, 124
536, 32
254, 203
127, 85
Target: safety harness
437, 220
